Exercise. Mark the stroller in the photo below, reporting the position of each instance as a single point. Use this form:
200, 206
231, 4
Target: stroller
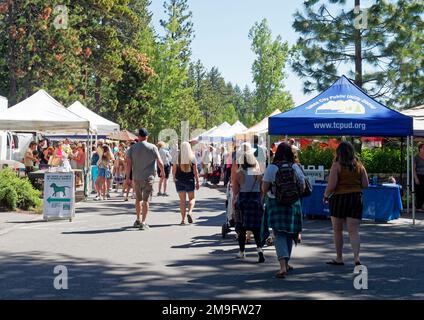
229, 217
215, 176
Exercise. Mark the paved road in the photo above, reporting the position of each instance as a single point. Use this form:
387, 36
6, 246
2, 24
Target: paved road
108, 259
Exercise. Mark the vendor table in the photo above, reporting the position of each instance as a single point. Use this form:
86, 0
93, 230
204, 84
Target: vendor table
381, 203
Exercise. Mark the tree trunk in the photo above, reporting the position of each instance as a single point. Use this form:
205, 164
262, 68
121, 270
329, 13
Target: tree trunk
97, 94
12, 57
358, 52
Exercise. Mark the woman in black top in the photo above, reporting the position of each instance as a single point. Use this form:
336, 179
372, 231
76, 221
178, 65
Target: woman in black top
186, 179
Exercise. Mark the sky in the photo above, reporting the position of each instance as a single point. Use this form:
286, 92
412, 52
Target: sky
221, 35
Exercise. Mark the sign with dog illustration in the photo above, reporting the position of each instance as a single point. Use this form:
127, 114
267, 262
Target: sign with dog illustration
59, 195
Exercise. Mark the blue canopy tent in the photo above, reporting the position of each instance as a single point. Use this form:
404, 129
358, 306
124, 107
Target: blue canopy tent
342, 109
345, 109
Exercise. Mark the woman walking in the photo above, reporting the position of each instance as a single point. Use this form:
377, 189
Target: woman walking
104, 165
119, 171
166, 159
344, 193
283, 183
247, 199
419, 177
186, 180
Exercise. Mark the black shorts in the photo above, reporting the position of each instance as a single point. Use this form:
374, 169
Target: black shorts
167, 169
184, 186
348, 205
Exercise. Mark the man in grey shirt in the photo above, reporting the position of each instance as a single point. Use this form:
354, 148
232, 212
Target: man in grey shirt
141, 161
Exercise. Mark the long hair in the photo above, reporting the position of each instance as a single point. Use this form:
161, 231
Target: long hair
284, 153
346, 157
185, 157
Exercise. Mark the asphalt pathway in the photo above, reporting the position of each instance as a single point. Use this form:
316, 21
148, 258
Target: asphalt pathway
108, 259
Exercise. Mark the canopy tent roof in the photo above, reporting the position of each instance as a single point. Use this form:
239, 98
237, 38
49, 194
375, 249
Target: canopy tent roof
235, 129
342, 109
260, 127
124, 135
216, 134
418, 114
42, 113
101, 125
205, 133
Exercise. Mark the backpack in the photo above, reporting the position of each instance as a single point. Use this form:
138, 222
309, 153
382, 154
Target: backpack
286, 183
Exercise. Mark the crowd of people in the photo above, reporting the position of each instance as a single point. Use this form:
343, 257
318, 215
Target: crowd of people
45, 154
266, 199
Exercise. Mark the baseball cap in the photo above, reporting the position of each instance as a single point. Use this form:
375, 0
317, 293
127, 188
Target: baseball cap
143, 132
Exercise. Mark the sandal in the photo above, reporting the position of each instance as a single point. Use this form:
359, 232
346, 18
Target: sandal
280, 275
335, 263
182, 223
289, 268
189, 218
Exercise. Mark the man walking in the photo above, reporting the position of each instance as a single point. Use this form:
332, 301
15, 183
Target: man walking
141, 159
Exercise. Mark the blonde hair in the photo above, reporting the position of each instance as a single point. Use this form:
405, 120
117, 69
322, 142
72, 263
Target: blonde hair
161, 144
185, 157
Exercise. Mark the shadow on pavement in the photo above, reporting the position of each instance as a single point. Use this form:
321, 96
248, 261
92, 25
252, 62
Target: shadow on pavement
392, 253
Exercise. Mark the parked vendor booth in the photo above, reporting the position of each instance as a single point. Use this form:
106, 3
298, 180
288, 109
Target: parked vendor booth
345, 110
41, 113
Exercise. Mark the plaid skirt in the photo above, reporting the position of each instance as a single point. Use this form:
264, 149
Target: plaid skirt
251, 209
282, 218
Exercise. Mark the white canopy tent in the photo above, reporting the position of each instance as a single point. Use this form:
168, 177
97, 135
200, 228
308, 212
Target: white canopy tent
99, 124
235, 129
261, 127
417, 113
42, 113
216, 134
196, 139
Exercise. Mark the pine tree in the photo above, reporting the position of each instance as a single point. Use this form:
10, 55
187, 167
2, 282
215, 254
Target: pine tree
380, 52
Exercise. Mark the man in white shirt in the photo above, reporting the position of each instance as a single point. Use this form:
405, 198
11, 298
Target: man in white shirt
206, 162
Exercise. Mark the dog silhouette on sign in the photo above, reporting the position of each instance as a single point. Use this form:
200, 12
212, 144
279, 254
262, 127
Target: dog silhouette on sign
58, 190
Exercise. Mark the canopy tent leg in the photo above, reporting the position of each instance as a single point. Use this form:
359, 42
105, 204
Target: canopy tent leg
268, 148
412, 180
408, 176
402, 160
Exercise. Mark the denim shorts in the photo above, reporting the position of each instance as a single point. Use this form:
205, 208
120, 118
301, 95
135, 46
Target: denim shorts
104, 173
185, 186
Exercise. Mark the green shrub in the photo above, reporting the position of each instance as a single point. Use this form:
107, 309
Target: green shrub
382, 160
377, 160
314, 156
8, 198
17, 193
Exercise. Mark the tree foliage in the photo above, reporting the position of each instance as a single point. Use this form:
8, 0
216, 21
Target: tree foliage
392, 48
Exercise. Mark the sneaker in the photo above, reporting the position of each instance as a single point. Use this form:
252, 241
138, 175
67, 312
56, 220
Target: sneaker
108, 196
97, 198
165, 194
261, 257
144, 226
160, 194
137, 224
241, 255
